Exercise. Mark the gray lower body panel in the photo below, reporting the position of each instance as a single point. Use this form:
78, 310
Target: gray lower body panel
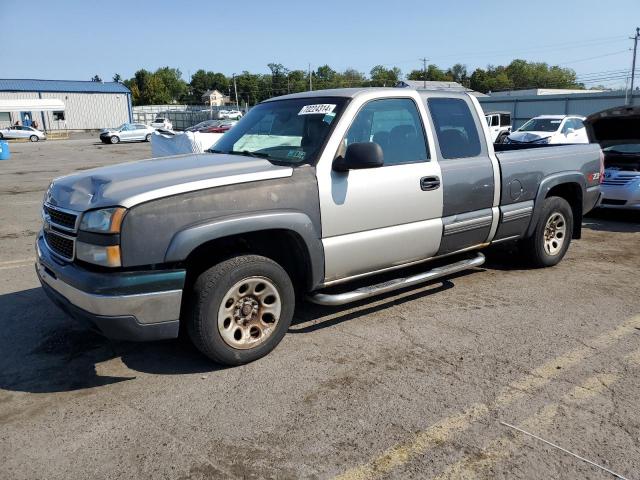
514, 220
465, 230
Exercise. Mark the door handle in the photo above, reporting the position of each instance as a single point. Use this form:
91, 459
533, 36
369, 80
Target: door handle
430, 183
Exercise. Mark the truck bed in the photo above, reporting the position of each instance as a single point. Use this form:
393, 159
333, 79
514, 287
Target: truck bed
524, 166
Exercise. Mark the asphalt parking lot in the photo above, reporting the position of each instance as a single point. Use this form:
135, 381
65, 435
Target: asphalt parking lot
411, 385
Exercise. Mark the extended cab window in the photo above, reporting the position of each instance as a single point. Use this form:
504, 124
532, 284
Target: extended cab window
457, 132
395, 125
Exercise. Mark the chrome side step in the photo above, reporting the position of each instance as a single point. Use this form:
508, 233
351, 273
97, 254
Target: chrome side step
372, 290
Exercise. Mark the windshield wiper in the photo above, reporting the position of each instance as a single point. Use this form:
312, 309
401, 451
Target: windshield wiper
249, 154
212, 150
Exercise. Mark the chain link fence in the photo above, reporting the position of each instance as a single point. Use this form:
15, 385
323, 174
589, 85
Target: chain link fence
180, 116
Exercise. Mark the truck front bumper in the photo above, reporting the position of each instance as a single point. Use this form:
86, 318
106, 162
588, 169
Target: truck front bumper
135, 306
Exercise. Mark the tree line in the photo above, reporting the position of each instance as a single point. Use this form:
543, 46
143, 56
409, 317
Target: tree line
166, 85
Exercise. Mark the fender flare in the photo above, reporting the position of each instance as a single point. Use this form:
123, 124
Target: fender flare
187, 240
546, 185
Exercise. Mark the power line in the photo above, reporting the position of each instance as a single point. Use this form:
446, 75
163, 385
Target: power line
611, 54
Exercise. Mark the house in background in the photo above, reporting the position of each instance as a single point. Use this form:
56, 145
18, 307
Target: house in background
215, 98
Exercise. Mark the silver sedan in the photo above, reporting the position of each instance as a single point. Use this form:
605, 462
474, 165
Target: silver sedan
19, 131
128, 132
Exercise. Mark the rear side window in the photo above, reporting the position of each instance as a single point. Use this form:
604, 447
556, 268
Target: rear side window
395, 125
457, 132
505, 119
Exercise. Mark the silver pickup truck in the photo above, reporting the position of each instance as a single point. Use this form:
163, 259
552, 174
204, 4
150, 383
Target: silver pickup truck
305, 195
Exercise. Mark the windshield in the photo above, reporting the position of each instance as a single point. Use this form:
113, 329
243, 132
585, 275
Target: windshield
284, 131
541, 125
624, 148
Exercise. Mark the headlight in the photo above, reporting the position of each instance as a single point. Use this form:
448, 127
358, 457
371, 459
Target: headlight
106, 220
99, 255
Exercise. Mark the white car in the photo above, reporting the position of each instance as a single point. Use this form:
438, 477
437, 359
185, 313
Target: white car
551, 129
617, 130
231, 114
163, 123
127, 132
499, 125
18, 131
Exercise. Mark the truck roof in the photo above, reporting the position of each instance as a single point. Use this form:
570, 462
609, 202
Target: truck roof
354, 92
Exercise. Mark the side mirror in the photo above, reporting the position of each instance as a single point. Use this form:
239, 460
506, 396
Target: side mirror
570, 130
360, 155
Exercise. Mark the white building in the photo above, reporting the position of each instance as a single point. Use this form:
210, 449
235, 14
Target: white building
214, 98
80, 105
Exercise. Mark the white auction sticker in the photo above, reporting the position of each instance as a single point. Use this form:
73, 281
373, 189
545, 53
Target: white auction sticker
321, 108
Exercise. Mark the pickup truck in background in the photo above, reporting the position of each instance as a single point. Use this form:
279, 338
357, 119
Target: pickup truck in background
617, 130
310, 195
499, 125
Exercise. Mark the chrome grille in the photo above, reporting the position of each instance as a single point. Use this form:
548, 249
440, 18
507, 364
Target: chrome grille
620, 180
64, 219
60, 244
60, 227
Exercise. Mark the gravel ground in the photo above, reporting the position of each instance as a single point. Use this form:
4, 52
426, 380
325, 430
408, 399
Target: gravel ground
411, 385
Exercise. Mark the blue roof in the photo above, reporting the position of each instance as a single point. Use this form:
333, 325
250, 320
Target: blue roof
70, 86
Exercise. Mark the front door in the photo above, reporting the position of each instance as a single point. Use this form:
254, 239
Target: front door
377, 218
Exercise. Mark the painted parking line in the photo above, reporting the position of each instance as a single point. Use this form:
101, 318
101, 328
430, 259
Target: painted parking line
424, 441
501, 448
25, 262
480, 465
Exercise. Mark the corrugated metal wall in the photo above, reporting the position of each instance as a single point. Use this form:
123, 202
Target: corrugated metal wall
83, 111
525, 107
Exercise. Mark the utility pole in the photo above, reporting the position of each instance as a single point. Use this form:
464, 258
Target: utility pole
633, 63
310, 82
235, 89
424, 72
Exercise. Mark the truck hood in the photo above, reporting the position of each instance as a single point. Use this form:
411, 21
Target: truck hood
614, 126
129, 184
529, 137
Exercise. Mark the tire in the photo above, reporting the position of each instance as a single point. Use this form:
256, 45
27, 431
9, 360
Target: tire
552, 235
240, 309
1, 136
33, 138
501, 138
114, 139
147, 138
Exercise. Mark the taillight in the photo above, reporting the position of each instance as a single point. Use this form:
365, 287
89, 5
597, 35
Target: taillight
601, 166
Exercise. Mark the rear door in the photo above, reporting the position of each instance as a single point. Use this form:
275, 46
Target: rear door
468, 173
379, 218
140, 132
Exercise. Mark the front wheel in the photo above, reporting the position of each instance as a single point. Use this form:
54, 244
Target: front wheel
552, 235
34, 138
147, 138
114, 139
240, 309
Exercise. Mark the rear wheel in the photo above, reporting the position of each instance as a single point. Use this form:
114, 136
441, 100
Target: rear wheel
147, 138
240, 309
552, 235
114, 139
34, 138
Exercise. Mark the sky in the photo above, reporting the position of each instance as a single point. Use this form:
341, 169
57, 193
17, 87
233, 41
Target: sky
76, 39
